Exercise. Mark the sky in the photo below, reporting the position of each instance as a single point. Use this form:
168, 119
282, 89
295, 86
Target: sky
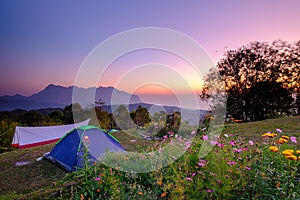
46, 42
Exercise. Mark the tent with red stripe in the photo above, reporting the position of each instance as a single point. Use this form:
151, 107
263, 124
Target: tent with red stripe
26, 137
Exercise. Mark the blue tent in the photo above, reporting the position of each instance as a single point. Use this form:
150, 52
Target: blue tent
69, 150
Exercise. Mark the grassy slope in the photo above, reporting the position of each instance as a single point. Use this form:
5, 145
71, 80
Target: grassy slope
39, 175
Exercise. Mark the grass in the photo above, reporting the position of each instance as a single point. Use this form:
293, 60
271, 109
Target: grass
35, 180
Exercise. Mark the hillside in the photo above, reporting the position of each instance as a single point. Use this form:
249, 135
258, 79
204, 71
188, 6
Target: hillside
35, 179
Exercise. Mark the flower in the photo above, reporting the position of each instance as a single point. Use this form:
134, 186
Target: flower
97, 179
81, 196
163, 195
188, 178
288, 152
214, 142
209, 190
269, 135
98, 190
232, 143
251, 143
293, 139
225, 135
171, 133
285, 137
278, 130
278, 185
247, 168
205, 137
274, 149
140, 193
291, 157
159, 183
220, 145
193, 132
231, 163
298, 151
193, 174
281, 141
85, 138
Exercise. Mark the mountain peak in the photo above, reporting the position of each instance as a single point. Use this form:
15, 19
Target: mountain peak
60, 96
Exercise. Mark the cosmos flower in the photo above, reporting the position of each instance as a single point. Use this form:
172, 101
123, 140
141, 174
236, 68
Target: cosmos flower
278, 130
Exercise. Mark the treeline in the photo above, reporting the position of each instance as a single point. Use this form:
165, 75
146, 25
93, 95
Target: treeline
121, 119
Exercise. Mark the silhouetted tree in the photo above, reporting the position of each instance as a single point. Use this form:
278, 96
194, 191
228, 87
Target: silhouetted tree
259, 79
140, 116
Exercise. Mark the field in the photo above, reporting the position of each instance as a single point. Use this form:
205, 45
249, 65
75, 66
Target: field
42, 179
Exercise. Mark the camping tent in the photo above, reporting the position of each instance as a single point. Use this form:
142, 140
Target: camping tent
70, 149
26, 137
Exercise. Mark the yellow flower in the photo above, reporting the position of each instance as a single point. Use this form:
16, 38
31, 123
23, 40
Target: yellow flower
163, 195
140, 193
81, 197
298, 151
273, 148
263, 174
281, 141
159, 183
285, 137
291, 157
269, 135
288, 152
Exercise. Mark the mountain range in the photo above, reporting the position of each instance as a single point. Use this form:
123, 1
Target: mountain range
55, 96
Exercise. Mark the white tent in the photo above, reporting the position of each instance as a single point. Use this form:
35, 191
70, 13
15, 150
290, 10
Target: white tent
26, 137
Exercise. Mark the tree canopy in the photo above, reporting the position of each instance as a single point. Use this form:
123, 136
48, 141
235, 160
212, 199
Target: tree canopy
260, 79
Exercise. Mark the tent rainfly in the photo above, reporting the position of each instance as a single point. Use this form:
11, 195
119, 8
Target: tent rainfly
26, 137
70, 149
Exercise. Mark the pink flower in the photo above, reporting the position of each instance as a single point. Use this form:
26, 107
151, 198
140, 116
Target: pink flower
231, 163
171, 133
232, 143
209, 190
278, 130
205, 137
220, 145
293, 139
97, 179
214, 142
85, 138
188, 178
201, 164
237, 150
165, 136
247, 168
193, 132
251, 142
193, 174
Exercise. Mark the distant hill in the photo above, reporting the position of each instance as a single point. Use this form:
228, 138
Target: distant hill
55, 96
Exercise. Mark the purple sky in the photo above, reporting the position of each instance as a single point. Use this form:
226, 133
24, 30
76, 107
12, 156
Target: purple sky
43, 42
